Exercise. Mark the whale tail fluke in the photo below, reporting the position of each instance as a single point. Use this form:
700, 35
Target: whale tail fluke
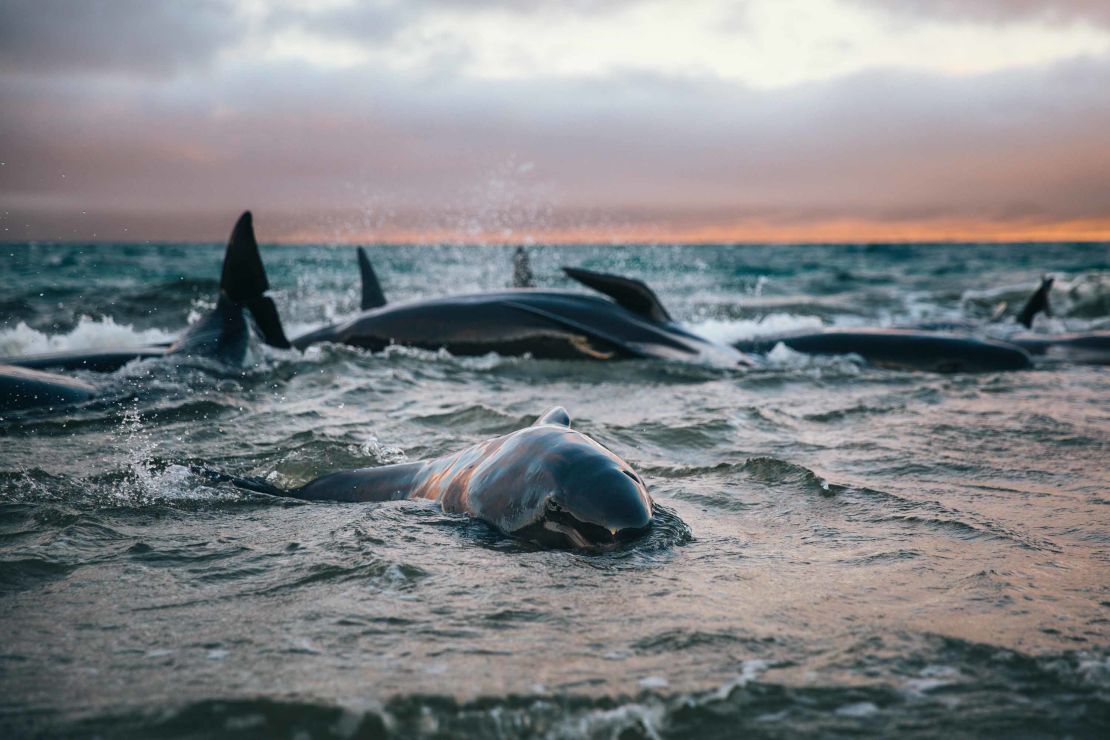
632, 294
372, 296
1037, 303
244, 281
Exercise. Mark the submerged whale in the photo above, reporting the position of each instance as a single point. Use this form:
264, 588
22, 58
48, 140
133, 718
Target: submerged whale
223, 334
902, 349
1087, 348
546, 324
546, 483
24, 388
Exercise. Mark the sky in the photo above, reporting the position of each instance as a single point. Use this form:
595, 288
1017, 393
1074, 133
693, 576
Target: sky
537, 121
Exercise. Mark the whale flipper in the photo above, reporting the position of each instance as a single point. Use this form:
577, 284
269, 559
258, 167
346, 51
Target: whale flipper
632, 294
1037, 303
586, 331
372, 296
243, 280
555, 415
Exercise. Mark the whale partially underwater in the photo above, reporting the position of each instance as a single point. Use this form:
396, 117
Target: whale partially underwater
1087, 348
944, 347
546, 483
223, 334
631, 323
902, 349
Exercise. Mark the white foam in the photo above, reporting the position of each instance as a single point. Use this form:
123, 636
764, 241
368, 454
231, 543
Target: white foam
859, 709
88, 334
727, 332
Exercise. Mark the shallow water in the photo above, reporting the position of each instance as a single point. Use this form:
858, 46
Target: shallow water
863, 550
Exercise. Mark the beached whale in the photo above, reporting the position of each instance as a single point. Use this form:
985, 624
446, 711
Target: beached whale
24, 388
546, 483
546, 324
904, 349
223, 334
1086, 348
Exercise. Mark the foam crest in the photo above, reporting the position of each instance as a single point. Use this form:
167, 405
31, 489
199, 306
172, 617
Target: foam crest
727, 332
89, 333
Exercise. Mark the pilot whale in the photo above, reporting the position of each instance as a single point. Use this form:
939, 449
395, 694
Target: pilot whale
903, 349
546, 324
546, 483
223, 334
24, 388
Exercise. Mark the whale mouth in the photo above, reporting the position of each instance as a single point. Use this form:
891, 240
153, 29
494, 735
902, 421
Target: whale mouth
585, 536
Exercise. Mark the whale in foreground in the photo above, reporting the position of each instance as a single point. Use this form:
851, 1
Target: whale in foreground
546, 483
545, 324
222, 334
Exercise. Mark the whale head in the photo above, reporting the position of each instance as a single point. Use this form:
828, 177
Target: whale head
591, 498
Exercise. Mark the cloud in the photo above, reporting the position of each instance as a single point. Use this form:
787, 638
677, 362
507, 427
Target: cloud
136, 112
1001, 11
97, 36
472, 157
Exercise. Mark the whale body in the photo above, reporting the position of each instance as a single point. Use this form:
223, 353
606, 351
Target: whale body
545, 324
547, 483
223, 334
903, 349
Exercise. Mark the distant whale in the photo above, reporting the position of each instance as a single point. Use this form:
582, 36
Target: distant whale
546, 324
902, 349
222, 334
545, 483
1087, 348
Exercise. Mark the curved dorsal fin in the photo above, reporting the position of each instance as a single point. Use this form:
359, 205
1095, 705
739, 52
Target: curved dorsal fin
555, 415
372, 296
1037, 302
243, 280
632, 294
243, 276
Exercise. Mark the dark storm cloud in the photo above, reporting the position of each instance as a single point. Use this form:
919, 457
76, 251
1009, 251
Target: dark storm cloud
1000, 11
131, 36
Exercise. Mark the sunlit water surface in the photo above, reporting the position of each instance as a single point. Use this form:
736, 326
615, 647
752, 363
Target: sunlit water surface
864, 550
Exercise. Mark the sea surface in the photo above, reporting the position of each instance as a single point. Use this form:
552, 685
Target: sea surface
860, 551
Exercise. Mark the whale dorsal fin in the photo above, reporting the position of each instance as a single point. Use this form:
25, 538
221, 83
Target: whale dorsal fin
1037, 303
522, 270
632, 294
243, 280
555, 415
372, 296
243, 276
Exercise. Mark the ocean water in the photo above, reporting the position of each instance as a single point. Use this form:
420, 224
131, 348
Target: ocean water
852, 551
